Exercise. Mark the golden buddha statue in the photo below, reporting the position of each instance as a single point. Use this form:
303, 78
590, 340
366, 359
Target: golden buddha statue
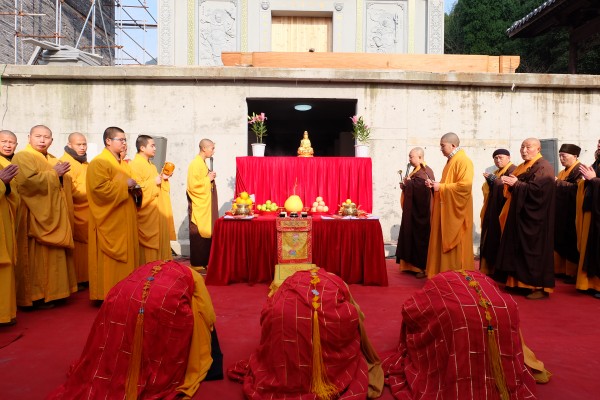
305, 150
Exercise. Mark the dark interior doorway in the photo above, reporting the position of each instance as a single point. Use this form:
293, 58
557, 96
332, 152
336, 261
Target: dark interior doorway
327, 122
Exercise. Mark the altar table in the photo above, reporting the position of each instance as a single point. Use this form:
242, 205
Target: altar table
246, 251
333, 178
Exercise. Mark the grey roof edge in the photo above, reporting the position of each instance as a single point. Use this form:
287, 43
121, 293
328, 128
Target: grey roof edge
544, 8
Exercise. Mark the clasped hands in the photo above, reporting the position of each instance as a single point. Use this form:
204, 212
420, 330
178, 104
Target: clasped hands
8, 173
432, 185
62, 167
509, 180
587, 172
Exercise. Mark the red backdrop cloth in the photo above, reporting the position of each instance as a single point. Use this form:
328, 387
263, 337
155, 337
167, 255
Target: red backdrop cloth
101, 371
333, 178
443, 340
281, 367
246, 251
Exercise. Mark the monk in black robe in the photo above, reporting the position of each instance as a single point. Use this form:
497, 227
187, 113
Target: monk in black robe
493, 201
588, 227
413, 239
526, 253
566, 255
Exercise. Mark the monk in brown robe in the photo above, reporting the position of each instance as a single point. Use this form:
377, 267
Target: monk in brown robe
413, 239
451, 239
526, 249
493, 201
588, 227
566, 255
202, 204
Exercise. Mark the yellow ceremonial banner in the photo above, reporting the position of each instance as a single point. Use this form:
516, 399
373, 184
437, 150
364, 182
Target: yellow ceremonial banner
294, 240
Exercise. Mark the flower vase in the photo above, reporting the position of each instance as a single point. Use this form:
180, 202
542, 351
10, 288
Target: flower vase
258, 149
361, 150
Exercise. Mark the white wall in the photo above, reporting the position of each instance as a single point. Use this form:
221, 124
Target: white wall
405, 109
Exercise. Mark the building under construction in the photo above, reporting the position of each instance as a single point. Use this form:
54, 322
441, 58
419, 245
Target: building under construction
88, 25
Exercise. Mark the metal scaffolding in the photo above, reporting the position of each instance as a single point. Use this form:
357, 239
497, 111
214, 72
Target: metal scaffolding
133, 22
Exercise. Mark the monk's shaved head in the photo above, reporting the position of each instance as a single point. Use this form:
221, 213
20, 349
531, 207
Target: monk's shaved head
451, 138
533, 141
418, 151
75, 136
530, 148
8, 133
205, 143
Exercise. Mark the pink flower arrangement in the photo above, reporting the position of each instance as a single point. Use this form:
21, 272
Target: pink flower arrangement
361, 131
258, 126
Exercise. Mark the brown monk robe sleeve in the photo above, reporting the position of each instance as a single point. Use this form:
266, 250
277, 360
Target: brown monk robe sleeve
565, 235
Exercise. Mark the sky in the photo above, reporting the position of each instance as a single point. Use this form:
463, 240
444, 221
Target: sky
139, 40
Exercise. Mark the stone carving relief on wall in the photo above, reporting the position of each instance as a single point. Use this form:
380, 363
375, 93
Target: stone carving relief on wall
166, 32
217, 30
385, 25
435, 34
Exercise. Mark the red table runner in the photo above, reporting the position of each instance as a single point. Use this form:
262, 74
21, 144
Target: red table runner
246, 251
333, 178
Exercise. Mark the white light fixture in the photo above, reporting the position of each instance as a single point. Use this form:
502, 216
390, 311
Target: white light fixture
302, 107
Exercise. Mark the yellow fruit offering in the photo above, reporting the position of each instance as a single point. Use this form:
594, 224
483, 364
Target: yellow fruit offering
293, 204
348, 201
238, 200
244, 195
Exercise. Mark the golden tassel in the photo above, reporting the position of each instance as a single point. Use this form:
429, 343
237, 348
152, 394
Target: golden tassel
320, 385
496, 364
133, 372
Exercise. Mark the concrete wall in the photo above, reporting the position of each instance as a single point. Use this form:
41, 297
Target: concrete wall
405, 109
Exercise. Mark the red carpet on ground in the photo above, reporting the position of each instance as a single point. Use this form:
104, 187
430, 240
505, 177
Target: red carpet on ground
563, 331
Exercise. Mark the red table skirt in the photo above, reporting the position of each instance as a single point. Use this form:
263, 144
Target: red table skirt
333, 178
246, 251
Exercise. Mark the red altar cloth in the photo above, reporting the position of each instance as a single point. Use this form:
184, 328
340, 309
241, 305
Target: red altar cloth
246, 251
333, 178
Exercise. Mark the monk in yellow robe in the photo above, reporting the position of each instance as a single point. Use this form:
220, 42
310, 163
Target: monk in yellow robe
45, 271
113, 245
202, 204
8, 243
451, 239
152, 232
74, 184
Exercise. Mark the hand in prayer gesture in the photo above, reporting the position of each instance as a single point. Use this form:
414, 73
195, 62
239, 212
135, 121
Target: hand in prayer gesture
587, 172
432, 185
62, 168
8, 173
131, 183
509, 180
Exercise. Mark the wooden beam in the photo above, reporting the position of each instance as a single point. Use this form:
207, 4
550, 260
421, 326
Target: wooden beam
582, 32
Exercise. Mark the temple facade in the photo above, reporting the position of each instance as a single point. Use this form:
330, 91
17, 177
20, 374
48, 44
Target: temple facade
196, 32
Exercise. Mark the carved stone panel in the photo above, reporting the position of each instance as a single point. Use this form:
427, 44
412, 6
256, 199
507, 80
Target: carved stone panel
386, 27
435, 27
165, 26
217, 30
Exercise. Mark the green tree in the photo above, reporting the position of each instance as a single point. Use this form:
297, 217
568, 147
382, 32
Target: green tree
479, 27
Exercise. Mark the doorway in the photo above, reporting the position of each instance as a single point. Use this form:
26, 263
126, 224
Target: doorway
301, 34
327, 122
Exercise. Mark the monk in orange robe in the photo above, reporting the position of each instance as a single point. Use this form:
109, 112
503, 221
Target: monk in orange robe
74, 184
45, 271
113, 246
526, 252
493, 201
413, 238
588, 227
451, 239
202, 204
8, 243
152, 226
165, 307
566, 255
